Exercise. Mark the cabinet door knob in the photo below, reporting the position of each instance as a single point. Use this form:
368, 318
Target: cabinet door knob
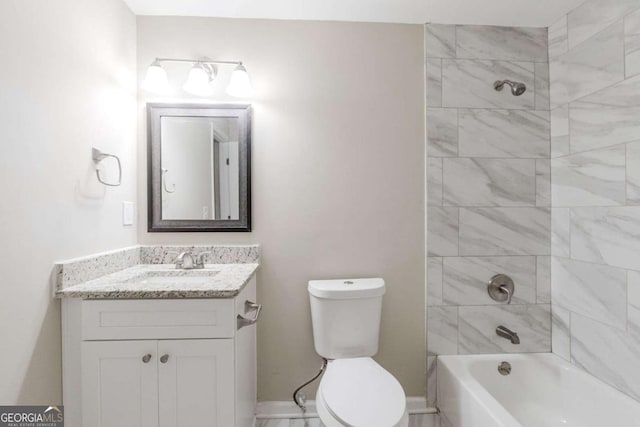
164, 358
146, 358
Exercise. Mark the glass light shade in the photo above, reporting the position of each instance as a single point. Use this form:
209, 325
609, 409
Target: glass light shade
240, 84
199, 81
156, 79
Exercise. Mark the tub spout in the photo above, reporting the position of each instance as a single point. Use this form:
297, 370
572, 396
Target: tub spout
508, 334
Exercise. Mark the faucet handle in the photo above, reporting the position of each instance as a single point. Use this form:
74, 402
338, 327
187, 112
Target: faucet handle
508, 291
501, 288
179, 260
200, 259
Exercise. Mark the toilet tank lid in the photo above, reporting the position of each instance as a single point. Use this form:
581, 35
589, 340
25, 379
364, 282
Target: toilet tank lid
347, 288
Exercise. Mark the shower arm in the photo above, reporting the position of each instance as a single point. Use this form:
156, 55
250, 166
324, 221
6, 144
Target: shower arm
499, 84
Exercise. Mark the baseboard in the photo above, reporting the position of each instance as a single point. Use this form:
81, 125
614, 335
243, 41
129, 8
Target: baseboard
288, 409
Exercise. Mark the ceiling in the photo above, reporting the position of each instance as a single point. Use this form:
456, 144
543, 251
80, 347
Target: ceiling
529, 13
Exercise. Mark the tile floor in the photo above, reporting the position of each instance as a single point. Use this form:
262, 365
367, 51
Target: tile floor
414, 421
298, 422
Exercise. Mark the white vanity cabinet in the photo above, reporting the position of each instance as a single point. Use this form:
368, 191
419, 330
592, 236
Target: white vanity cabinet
160, 362
158, 383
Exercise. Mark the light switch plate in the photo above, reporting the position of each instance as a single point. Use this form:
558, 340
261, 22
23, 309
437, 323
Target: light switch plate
127, 213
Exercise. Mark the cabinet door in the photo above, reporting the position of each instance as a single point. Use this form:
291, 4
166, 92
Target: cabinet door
196, 383
119, 384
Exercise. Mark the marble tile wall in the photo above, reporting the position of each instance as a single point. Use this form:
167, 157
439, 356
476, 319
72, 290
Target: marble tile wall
489, 189
594, 55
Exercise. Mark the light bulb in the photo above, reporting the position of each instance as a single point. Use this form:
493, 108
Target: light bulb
156, 79
240, 84
199, 81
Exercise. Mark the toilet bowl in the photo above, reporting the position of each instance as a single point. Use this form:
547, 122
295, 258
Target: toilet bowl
358, 392
355, 391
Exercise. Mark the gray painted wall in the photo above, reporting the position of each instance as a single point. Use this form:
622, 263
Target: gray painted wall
338, 174
67, 83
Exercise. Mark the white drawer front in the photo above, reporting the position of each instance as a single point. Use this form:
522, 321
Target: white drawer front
158, 319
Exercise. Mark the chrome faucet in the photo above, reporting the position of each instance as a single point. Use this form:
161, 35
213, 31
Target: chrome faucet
185, 261
508, 334
188, 261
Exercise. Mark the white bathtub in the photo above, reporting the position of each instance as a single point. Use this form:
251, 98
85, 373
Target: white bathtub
542, 391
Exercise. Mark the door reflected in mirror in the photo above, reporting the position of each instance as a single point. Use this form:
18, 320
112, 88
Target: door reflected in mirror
199, 167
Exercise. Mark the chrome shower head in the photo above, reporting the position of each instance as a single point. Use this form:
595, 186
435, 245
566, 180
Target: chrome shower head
517, 89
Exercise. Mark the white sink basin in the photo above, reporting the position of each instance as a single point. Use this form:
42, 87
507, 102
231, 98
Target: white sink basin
160, 280
187, 277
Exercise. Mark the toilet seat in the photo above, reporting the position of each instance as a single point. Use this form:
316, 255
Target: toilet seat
359, 392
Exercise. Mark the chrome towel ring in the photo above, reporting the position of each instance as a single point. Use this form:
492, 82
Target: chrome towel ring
99, 156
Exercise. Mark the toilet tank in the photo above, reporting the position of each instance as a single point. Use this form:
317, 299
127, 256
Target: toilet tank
345, 315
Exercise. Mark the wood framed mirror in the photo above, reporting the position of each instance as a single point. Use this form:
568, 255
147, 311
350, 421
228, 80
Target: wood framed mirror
199, 167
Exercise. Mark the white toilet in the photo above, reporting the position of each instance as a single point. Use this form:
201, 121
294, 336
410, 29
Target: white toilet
355, 390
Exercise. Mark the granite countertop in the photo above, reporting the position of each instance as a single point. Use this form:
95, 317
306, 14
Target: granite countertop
165, 281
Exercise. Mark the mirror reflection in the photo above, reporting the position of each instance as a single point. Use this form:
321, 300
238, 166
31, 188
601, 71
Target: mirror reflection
200, 168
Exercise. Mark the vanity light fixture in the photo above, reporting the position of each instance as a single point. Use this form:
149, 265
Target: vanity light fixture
156, 79
200, 77
240, 84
